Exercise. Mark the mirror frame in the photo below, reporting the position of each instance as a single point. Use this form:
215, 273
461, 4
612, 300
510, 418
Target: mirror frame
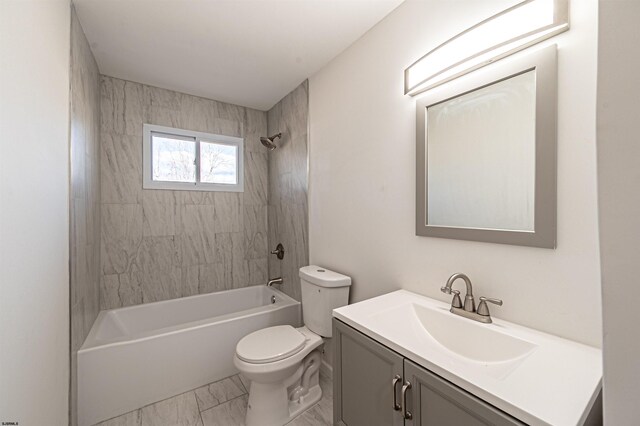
544, 62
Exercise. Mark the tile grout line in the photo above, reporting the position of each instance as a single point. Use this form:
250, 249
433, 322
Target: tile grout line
242, 384
198, 406
227, 401
174, 396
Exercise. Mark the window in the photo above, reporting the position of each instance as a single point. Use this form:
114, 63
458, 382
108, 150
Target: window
187, 160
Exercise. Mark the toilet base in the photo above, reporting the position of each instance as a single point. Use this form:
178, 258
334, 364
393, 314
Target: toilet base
269, 406
297, 407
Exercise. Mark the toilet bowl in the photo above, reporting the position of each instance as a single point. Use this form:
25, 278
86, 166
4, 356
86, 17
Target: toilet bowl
277, 392
283, 362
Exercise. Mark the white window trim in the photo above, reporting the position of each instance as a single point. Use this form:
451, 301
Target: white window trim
147, 160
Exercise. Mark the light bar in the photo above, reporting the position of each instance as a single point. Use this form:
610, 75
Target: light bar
503, 34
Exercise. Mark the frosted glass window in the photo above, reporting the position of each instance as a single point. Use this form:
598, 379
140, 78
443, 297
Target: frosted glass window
179, 159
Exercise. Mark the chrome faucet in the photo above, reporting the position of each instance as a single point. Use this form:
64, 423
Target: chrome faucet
469, 302
469, 311
274, 281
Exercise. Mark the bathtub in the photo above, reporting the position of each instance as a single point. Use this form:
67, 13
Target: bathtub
138, 355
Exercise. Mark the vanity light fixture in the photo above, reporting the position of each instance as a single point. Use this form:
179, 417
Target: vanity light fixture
501, 35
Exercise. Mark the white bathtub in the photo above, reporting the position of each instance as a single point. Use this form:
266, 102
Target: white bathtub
141, 354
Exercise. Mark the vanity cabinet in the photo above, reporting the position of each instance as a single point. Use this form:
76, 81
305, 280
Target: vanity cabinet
368, 380
363, 375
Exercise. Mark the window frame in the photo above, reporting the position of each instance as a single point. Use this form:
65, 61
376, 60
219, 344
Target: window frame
147, 159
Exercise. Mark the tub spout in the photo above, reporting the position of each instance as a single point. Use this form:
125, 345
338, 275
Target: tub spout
274, 281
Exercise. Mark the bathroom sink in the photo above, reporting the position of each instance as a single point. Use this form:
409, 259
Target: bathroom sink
536, 377
470, 339
490, 350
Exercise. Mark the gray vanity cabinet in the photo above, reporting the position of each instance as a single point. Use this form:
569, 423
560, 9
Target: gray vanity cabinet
364, 370
365, 395
434, 401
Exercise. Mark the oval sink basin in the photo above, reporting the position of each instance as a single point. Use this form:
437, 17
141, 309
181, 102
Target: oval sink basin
470, 339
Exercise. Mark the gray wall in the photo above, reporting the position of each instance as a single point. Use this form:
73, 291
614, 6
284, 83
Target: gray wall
618, 114
288, 187
158, 244
85, 194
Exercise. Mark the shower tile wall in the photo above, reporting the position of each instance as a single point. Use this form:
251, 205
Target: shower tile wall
288, 187
84, 206
158, 244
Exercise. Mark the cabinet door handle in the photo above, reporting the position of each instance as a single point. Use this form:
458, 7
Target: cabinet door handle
394, 382
407, 414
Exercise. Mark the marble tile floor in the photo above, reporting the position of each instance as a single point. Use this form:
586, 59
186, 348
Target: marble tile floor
222, 403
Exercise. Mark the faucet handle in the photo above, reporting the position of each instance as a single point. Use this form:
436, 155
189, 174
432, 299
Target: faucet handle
456, 302
483, 309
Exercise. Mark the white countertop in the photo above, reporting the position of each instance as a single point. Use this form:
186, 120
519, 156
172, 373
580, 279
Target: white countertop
556, 383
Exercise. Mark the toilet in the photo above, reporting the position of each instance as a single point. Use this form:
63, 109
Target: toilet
283, 362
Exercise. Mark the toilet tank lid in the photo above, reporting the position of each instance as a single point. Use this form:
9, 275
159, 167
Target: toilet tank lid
323, 277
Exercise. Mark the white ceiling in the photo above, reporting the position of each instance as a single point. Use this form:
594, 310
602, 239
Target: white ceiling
246, 52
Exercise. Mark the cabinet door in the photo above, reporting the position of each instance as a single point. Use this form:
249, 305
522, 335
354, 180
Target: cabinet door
363, 372
434, 401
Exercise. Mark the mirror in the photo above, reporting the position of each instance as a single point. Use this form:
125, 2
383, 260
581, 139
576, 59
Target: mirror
481, 157
486, 149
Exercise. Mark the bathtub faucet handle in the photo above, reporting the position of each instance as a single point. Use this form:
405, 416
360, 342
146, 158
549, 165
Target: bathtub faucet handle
279, 251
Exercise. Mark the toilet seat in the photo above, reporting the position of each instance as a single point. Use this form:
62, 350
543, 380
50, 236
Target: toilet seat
270, 344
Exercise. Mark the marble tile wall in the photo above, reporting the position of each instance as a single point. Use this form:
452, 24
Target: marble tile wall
159, 244
288, 187
84, 206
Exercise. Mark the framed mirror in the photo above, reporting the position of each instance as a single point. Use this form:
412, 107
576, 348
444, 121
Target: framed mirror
486, 154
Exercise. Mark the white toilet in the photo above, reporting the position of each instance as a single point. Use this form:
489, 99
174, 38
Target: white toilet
282, 362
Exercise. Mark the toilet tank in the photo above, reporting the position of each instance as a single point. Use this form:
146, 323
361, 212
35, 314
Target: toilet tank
322, 292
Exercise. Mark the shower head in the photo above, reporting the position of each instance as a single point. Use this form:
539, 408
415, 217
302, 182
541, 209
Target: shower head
269, 142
